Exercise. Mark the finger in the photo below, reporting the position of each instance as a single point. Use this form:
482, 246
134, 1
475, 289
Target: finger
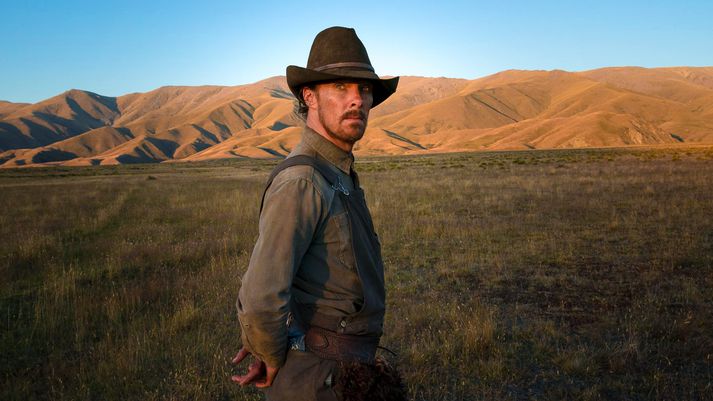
245, 379
241, 355
255, 372
269, 378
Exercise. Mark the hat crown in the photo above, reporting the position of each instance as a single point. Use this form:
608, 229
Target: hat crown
338, 46
337, 53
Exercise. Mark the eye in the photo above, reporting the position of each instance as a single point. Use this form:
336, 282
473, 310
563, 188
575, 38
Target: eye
366, 88
339, 85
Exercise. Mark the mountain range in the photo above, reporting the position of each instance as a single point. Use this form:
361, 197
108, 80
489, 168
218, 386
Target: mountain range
513, 109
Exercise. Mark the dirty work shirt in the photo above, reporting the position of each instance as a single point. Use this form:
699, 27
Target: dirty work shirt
303, 251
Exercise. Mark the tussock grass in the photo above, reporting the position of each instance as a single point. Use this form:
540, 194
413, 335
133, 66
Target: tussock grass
510, 275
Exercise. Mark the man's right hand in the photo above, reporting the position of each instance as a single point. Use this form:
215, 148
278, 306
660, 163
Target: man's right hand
258, 372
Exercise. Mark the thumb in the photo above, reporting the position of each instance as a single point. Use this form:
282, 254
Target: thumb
269, 378
241, 355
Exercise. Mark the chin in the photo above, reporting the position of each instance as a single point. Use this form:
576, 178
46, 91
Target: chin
355, 136
355, 131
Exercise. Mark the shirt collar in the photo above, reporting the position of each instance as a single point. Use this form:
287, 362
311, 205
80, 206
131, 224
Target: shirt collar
329, 151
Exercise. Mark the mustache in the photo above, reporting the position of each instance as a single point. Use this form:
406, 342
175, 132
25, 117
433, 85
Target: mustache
354, 114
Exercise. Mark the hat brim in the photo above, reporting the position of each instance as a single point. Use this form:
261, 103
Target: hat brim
297, 77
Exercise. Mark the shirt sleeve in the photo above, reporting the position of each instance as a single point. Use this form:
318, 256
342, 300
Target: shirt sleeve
291, 213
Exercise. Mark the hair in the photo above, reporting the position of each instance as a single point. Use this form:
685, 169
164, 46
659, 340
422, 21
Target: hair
301, 107
364, 382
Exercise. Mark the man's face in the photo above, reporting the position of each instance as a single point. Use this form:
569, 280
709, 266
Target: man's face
343, 108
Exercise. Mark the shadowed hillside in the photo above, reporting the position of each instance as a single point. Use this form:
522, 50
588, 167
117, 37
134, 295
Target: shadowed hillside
508, 110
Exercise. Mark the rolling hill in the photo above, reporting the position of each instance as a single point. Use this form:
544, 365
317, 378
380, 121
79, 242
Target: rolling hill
512, 109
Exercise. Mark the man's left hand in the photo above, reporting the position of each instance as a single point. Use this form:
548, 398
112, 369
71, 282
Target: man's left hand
258, 372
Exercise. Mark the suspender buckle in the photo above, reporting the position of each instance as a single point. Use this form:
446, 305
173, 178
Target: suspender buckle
338, 186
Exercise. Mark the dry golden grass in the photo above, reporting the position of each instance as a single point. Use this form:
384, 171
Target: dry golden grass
513, 275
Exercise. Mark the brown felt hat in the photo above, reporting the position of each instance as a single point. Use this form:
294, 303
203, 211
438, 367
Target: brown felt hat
337, 53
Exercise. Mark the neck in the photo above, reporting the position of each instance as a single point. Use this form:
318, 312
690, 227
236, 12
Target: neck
313, 123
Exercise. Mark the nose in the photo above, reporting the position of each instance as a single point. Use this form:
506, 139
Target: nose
356, 99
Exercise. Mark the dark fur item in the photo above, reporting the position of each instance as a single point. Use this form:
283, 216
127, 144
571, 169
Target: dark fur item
363, 382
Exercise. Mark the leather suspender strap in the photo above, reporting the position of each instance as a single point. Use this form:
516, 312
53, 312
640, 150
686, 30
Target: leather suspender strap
326, 172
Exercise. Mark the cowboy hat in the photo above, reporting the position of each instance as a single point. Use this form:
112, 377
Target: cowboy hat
337, 53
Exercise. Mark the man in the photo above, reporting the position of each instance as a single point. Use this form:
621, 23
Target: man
311, 304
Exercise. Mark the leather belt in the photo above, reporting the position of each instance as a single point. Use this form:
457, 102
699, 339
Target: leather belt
327, 344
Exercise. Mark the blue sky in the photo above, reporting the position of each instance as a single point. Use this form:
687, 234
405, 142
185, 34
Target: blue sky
118, 47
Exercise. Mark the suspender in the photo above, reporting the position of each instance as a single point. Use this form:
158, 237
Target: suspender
319, 165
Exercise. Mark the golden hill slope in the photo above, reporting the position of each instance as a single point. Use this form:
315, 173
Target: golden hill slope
509, 110
7, 108
63, 116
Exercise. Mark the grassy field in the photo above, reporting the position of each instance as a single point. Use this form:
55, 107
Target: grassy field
548, 275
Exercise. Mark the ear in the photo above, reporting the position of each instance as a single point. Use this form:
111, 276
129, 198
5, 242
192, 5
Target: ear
309, 96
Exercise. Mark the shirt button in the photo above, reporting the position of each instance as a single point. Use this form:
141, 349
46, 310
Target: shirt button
343, 323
